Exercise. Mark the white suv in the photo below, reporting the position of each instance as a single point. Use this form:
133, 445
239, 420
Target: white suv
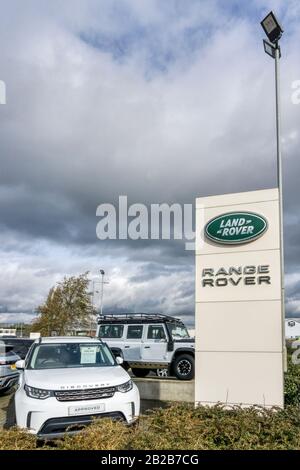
150, 342
67, 381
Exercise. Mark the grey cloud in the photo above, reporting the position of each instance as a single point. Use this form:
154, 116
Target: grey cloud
81, 128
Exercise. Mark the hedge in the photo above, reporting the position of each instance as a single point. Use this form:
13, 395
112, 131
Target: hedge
180, 426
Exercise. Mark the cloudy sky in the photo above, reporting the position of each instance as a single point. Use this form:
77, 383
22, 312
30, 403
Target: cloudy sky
159, 100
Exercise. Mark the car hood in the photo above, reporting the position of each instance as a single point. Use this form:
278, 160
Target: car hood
76, 379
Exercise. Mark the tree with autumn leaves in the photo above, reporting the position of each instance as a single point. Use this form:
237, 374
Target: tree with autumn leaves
68, 306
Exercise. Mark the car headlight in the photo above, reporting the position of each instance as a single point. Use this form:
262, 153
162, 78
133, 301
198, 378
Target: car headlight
38, 393
126, 387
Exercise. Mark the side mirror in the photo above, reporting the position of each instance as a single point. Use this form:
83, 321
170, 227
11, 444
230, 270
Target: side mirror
20, 365
119, 360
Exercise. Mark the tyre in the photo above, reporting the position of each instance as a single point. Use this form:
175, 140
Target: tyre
140, 372
162, 372
184, 367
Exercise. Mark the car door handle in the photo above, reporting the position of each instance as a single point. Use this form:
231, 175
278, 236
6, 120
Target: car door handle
147, 347
126, 347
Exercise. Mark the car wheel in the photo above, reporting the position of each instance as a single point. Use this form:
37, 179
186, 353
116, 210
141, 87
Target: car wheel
140, 372
184, 367
162, 372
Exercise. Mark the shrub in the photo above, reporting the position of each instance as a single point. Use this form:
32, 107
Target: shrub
14, 439
103, 434
292, 383
180, 426
183, 427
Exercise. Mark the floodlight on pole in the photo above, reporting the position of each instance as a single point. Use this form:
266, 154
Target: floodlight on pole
274, 32
272, 28
270, 49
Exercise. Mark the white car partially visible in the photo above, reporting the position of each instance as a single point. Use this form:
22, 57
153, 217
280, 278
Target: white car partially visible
8, 373
66, 382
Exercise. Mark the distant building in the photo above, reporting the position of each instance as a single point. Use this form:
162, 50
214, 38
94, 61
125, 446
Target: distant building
292, 328
8, 332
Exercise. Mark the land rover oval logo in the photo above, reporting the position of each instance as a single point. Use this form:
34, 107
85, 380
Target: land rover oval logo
235, 228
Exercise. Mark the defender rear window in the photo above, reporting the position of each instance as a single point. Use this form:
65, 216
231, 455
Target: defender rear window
156, 332
111, 331
134, 332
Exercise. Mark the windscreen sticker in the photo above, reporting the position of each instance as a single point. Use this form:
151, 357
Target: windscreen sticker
88, 354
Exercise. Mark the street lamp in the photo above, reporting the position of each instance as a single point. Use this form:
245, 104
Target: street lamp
270, 49
102, 286
272, 27
274, 32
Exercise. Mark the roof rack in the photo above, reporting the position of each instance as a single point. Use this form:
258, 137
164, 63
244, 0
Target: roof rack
136, 318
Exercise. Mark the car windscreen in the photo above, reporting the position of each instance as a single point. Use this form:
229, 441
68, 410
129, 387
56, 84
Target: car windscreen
178, 331
70, 355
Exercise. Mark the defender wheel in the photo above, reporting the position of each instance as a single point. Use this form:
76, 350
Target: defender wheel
140, 372
184, 367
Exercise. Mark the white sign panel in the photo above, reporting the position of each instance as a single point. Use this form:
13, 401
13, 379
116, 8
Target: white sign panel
239, 338
88, 354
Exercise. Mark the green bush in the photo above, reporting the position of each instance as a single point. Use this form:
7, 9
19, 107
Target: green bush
292, 384
14, 439
203, 428
102, 434
180, 426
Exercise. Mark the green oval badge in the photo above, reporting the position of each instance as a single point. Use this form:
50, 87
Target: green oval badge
235, 228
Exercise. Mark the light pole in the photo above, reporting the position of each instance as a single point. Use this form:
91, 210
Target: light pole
92, 296
274, 31
102, 289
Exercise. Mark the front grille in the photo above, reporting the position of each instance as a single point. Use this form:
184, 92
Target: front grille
87, 394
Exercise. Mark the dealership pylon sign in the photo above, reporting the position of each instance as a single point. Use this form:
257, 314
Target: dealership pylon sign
239, 337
